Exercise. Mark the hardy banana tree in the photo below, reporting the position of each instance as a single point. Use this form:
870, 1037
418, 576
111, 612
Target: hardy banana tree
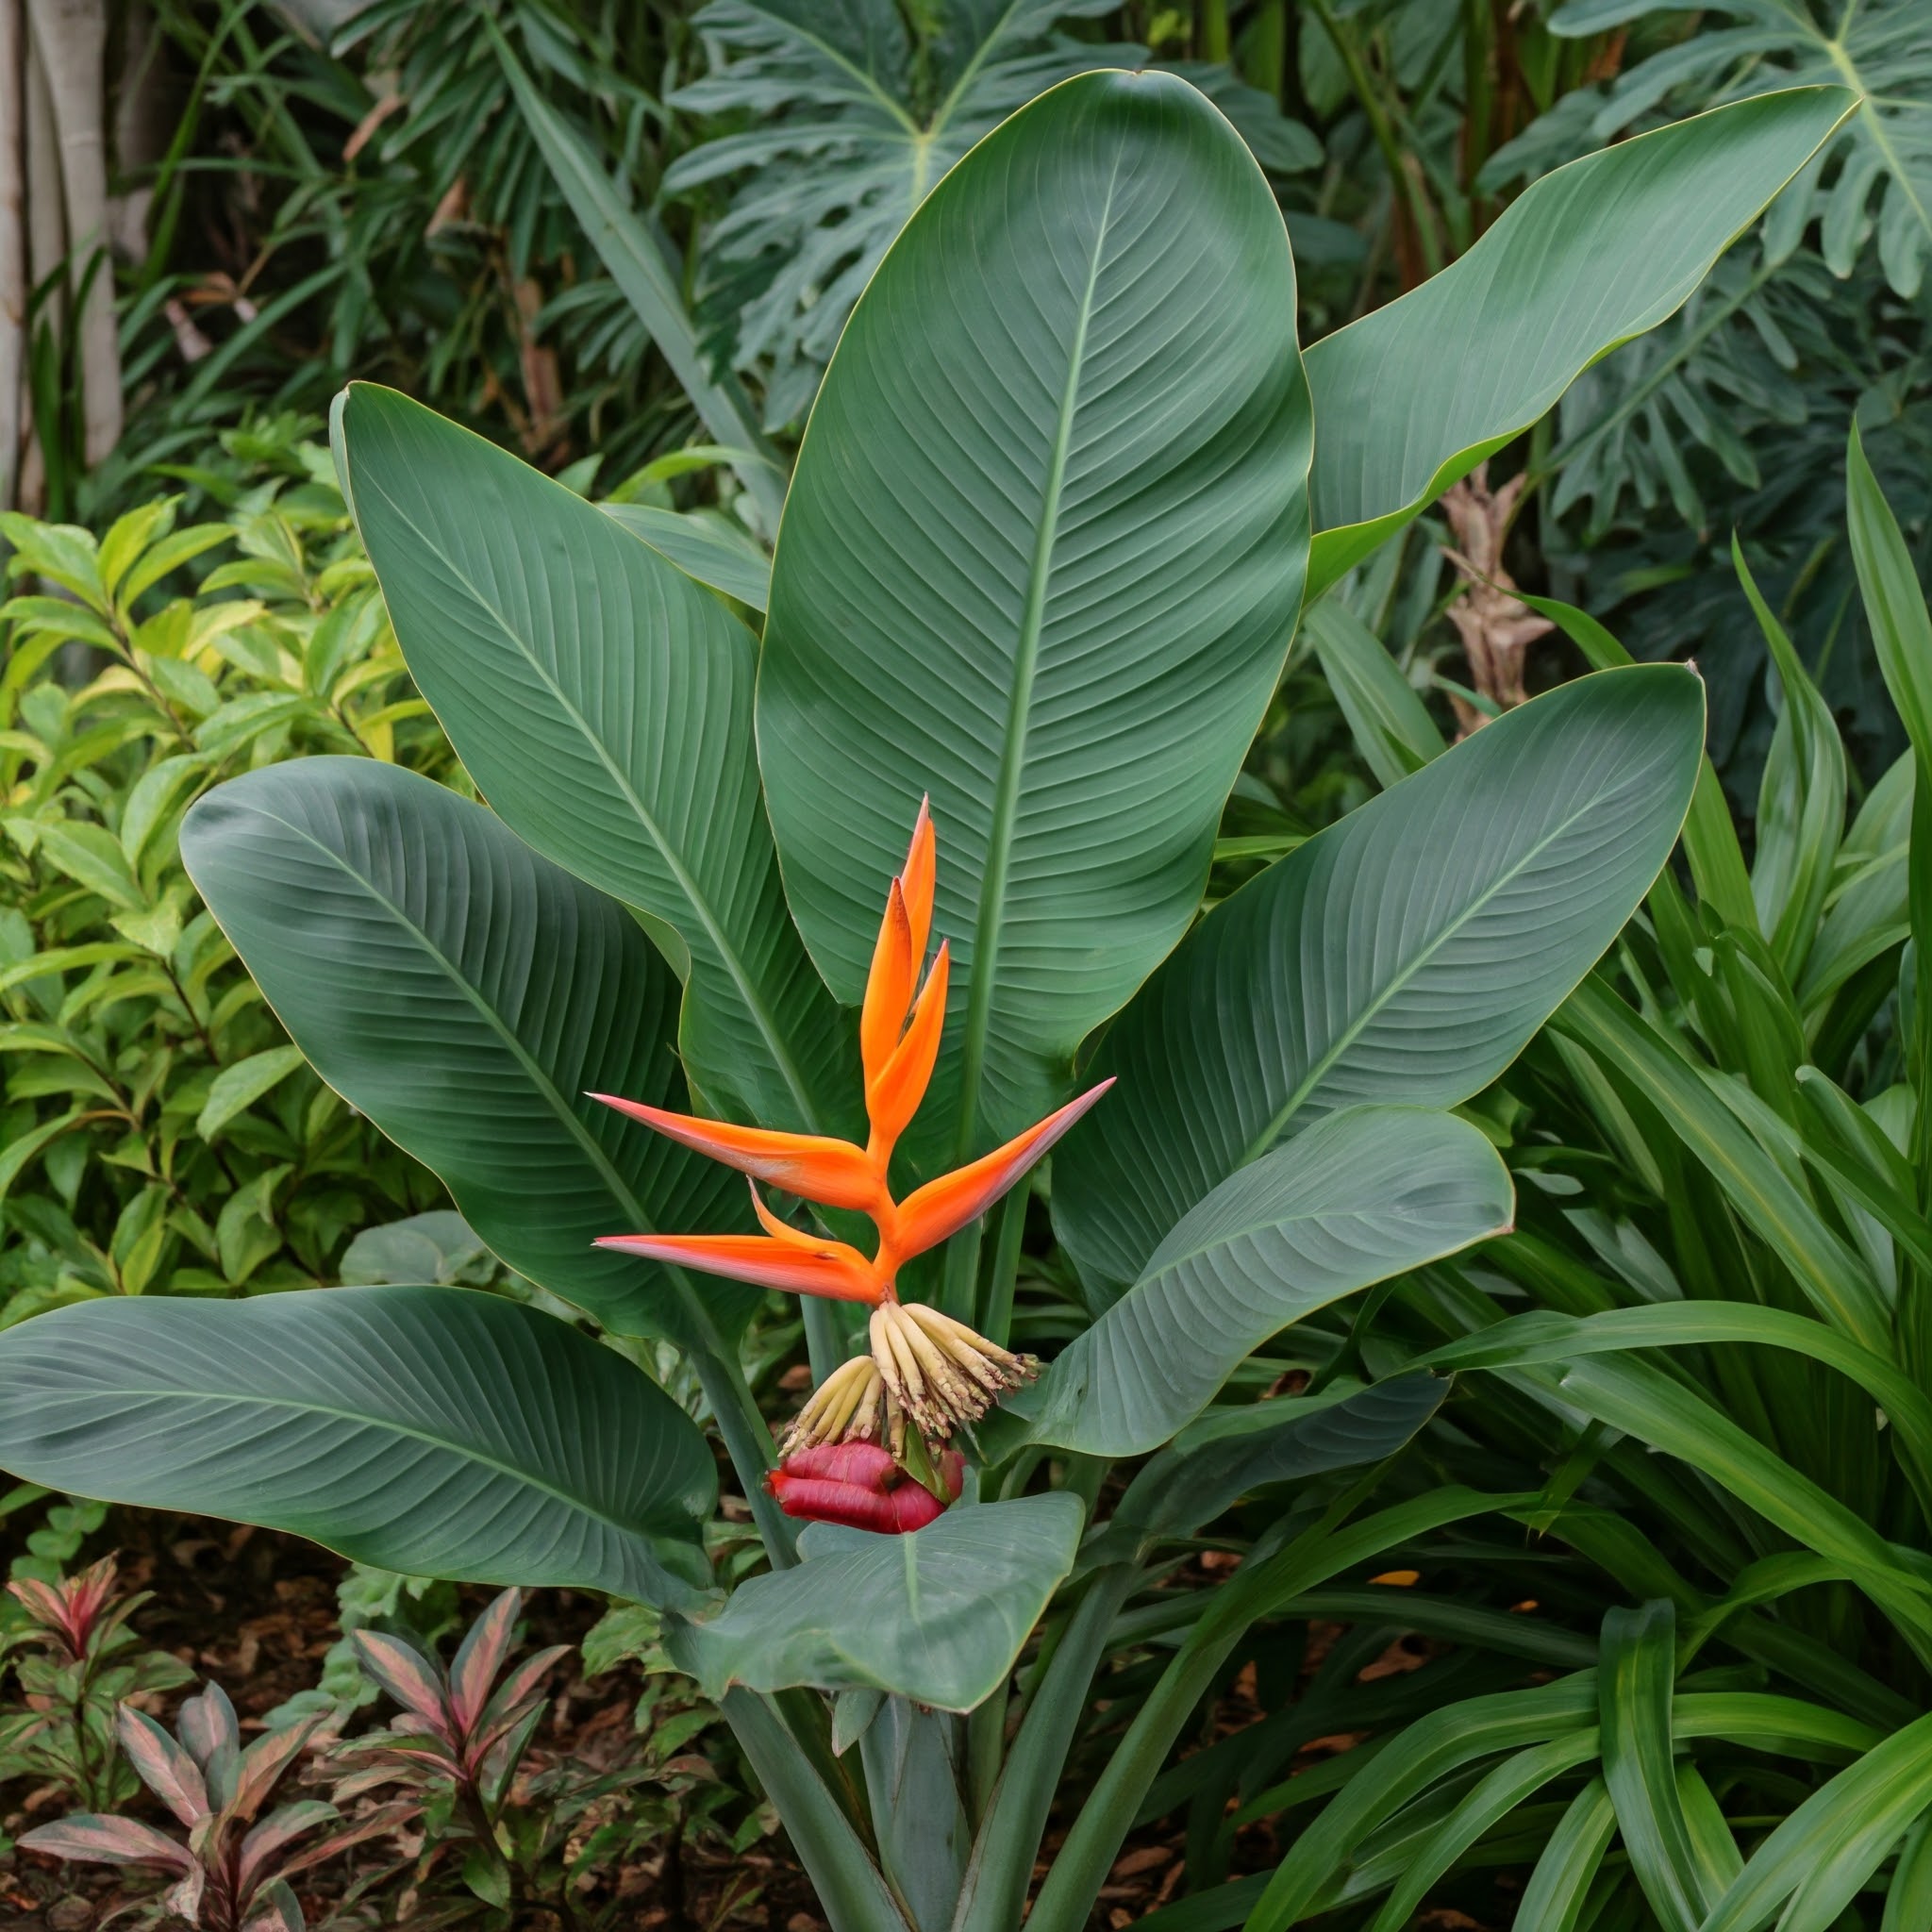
1066, 488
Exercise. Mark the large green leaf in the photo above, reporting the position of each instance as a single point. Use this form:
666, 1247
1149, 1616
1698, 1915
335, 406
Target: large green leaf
1404, 955
938, 1616
431, 1430
1041, 559
1366, 1194
464, 995
603, 702
1416, 394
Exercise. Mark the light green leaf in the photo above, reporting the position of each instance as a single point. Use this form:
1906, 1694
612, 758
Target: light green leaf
1821, 1855
1405, 953
236, 1088
1702, 1111
1041, 559
466, 995
1895, 605
1364, 1195
1647, 1404
92, 857
938, 1616
1417, 393
603, 702
700, 548
460, 1435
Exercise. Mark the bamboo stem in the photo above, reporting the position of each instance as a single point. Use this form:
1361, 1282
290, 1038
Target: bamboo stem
70, 40
13, 264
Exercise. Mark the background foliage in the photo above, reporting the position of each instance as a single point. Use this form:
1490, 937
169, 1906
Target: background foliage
1711, 1133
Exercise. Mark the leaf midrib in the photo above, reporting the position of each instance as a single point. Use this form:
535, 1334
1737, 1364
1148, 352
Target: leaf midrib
725, 952
993, 889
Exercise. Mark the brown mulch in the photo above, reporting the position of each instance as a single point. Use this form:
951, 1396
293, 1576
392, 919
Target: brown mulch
256, 1612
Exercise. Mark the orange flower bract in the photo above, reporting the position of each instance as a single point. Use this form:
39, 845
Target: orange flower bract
899, 1030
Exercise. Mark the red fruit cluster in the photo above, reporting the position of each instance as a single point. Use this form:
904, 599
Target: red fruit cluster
859, 1485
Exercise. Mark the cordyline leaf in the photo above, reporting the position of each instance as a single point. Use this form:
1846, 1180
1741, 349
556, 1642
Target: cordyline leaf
162, 1765
95, 1841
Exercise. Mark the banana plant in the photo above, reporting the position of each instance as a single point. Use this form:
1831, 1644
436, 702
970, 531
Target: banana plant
1064, 492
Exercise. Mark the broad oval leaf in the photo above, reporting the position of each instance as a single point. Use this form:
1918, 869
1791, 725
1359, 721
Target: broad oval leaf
938, 1616
1416, 394
431, 1430
1405, 953
467, 995
603, 702
1366, 1194
1041, 559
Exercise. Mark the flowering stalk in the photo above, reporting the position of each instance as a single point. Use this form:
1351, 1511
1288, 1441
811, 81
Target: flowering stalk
925, 1370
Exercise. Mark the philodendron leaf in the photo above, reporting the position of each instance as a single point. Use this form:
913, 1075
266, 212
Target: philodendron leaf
1416, 394
938, 1616
467, 995
1364, 1195
1041, 559
435, 1431
1405, 953
1219, 1458
603, 702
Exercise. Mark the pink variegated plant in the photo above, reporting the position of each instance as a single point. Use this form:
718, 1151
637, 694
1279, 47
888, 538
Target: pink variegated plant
76, 1660
461, 1737
232, 1873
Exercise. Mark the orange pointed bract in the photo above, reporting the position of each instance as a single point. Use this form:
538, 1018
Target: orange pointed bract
916, 883
837, 1273
834, 1174
943, 1206
899, 1044
892, 1095
888, 986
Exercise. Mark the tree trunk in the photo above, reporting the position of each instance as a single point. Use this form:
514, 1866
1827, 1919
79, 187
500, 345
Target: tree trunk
46, 249
71, 40
14, 282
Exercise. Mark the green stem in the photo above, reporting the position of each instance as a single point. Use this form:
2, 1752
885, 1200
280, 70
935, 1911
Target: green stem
1210, 30
996, 1286
957, 1287
748, 1442
825, 1347
849, 1886
995, 1894
1401, 182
